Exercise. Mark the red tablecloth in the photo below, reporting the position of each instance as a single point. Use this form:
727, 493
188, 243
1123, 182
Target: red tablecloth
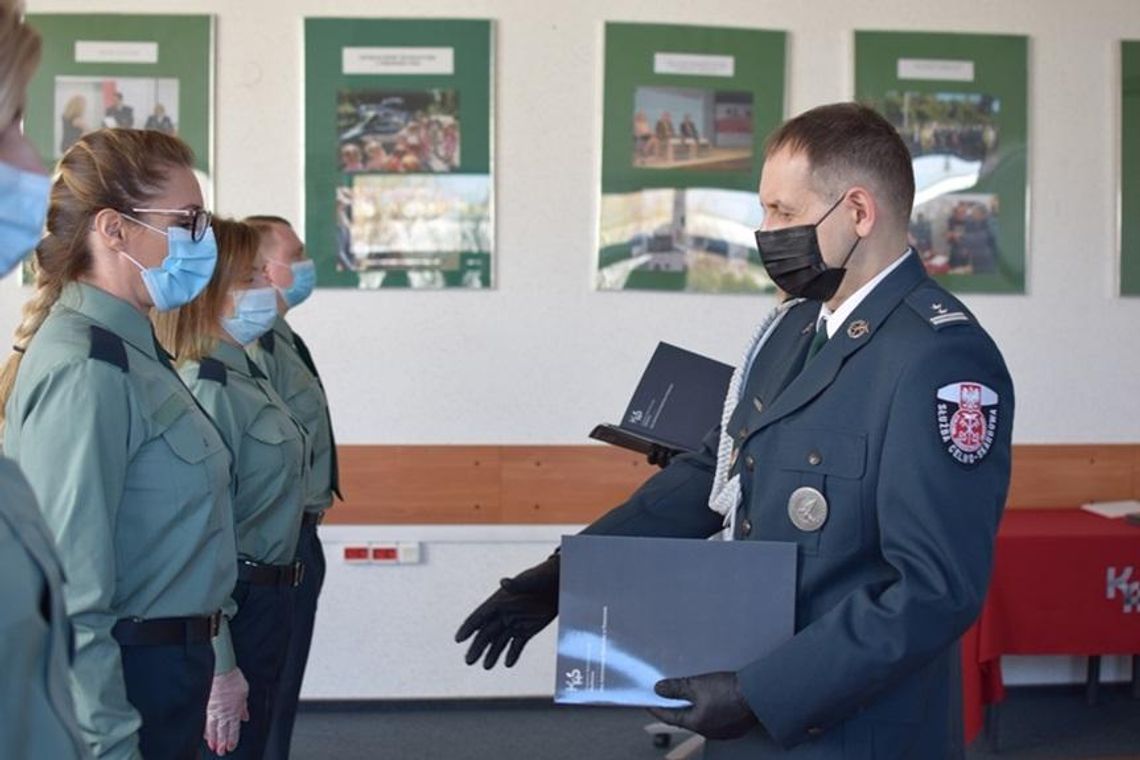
1064, 582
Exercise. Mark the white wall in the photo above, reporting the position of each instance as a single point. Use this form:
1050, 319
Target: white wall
542, 358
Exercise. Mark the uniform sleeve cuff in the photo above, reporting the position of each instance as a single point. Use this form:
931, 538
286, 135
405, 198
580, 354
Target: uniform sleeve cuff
224, 658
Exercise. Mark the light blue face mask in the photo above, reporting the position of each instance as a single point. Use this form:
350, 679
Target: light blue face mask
185, 271
304, 280
23, 208
255, 311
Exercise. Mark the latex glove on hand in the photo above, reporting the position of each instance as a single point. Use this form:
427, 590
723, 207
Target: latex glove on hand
522, 607
719, 710
225, 711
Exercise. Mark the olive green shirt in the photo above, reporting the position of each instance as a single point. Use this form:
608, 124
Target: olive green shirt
37, 716
133, 480
302, 392
271, 461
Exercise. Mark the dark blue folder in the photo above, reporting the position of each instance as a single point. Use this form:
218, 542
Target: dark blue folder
632, 611
678, 400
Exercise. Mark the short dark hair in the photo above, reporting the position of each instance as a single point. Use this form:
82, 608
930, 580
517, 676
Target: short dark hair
267, 219
847, 142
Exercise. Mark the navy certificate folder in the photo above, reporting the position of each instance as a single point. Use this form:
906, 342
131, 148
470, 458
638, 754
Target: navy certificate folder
678, 400
632, 611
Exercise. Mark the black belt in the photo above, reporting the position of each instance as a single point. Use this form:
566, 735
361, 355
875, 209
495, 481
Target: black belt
159, 631
312, 519
270, 575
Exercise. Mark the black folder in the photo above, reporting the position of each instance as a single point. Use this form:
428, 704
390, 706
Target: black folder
632, 611
678, 400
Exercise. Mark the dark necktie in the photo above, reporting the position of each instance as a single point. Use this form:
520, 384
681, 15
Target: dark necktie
817, 341
307, 359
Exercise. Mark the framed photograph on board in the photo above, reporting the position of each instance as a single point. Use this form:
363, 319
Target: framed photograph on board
959, 101
686, 112
398, 144
1130, 168
128, 71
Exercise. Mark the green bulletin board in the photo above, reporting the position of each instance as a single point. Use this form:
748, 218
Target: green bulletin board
161, 66
1130, 169
686, 113
960, 103
398, 142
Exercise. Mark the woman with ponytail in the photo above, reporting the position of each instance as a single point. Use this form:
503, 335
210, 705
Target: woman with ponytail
132, 477
37, 716
271, 456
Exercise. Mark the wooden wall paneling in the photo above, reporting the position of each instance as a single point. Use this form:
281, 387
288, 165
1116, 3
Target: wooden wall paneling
568, 484
419, 485
574, 484
1070, 475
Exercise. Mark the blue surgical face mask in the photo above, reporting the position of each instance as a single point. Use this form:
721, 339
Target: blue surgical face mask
255, 310
23, 208
304, 280
185, 271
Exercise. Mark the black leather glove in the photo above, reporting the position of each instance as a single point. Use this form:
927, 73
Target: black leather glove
719, 710
660, 455
512, 615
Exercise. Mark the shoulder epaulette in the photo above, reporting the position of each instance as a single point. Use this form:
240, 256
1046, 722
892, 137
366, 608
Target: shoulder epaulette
212, 369
267, 341
938, 308
108, 347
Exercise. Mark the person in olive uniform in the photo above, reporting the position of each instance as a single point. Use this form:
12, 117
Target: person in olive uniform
286, 360
133, 479
37, 716
209, 336
869, 425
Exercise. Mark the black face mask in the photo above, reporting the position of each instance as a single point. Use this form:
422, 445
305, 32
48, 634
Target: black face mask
794, 262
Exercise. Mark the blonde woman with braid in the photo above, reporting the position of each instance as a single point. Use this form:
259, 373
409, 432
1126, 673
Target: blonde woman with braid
132, 477
37, 717
271, 456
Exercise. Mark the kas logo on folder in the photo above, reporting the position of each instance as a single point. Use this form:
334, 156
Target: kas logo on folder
632, 611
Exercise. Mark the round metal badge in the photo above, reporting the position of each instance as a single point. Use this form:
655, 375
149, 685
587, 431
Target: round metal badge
807, 509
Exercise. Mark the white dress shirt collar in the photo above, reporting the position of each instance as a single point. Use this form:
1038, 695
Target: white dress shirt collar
835, 319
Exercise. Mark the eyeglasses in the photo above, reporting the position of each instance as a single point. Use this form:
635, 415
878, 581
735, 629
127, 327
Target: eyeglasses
199, 218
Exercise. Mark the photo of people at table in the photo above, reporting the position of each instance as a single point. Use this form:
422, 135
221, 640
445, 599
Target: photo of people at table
398, 132
689, 128
86, 103
957, 233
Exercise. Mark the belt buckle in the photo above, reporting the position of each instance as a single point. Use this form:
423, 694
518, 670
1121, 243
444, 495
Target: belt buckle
298, 573
215, 624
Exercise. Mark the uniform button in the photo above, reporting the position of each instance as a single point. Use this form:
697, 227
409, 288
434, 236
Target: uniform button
749, 462
742, 434
814, 458
746, 527
814, 731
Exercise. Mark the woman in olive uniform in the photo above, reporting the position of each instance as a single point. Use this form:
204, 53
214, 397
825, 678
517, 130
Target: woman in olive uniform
37, 717
271, 457
131, 476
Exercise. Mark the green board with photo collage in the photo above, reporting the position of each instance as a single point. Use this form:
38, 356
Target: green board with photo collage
686, 113
1130, 169
959, 101
398, 140
125, 71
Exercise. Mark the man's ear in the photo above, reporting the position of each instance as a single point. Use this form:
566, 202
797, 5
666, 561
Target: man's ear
864, 209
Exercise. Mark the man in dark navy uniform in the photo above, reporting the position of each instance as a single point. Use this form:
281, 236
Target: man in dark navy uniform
870, 425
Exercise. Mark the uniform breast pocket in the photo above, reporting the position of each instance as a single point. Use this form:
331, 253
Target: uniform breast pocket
820, 479
200, 463
308, 405
278, 441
